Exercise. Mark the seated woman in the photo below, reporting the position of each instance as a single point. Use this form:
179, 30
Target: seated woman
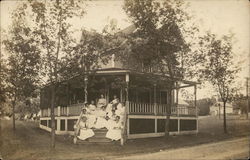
85, 131
111, 116
77, 124
115, 100
114, 132
120, 110
92, 107
101, 101
92, 114
109, 107
101, 121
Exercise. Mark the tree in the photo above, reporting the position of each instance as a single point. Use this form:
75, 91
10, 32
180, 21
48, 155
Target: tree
240, 103
52, 28
23, 60
218, 67
159, 42
3, 85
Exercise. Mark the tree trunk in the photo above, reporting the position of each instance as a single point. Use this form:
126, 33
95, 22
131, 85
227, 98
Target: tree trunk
52, 115
13, 114
219, 110
224, 117
167, 123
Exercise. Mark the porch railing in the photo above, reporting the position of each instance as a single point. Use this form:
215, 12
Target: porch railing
133, 108
140, 108
75, 109
159, 109
72, 110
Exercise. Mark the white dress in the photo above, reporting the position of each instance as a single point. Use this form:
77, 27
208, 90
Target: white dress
120, 111
114, 101
91, 115
114, 132
85, 132
101, 122
109, 107
111, 119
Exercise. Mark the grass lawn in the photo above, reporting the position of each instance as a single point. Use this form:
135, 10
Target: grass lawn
31, 143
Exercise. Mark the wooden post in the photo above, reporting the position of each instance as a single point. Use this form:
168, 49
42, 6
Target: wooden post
66, 124
155, 124
179, 124
126, 112
67, 93
127, 86
85, 88
195, 105
58, 124
196, 109
49, 113
67, 110
58, 111
247, 108
177, 98
155, 103
121, 95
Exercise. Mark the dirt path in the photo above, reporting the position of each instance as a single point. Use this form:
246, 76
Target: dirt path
230, 149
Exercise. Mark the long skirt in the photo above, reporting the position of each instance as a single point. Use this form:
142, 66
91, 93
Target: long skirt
114, 134
100, 123
86, 133
91, 121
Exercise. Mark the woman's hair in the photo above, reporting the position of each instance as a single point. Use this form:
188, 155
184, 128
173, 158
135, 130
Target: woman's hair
84, 118
117, 117
84, 109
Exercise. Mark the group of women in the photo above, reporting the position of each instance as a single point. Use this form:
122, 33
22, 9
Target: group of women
101, 115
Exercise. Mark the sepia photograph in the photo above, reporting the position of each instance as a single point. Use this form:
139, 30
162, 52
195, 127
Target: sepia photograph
125, 80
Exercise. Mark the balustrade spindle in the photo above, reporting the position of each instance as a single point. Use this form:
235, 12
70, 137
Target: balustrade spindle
144, 107
134, 109
133, 106
139, 109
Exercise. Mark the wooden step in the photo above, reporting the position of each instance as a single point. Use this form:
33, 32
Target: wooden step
103, 130
99, 140
100, 134
79, 142
94, 140
99, 137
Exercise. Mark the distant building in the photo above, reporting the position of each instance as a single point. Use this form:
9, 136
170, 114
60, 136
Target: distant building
217, 108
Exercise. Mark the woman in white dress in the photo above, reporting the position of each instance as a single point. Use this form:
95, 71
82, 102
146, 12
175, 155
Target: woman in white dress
77, 124
101, 121
120, 110
114, 132
111, 116
115, 100
85, 131
101, 101
92, 114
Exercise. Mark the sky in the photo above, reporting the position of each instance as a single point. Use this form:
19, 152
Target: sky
218, 16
